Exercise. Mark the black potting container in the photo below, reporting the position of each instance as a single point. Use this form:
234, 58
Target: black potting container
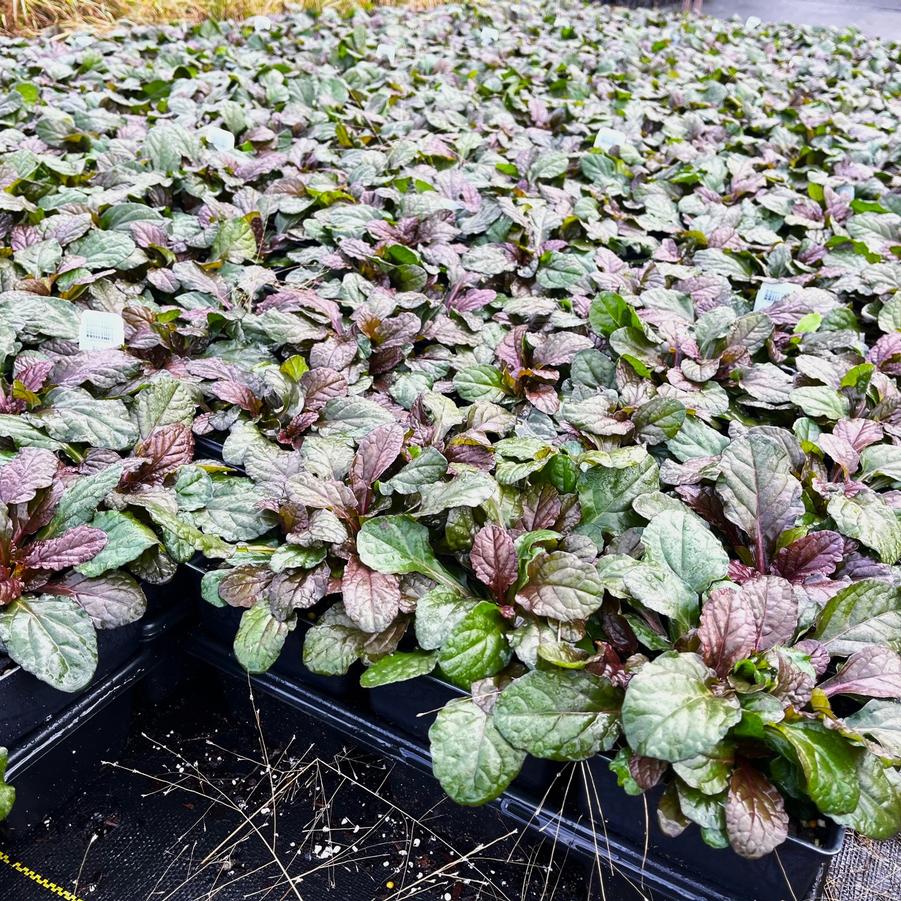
47, 766
579, 806
27, 704
209, 447
171, 608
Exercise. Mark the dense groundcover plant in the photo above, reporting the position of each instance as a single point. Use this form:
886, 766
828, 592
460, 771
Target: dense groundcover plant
553, 353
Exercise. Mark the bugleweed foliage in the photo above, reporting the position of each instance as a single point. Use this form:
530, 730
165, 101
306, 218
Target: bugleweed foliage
556, 352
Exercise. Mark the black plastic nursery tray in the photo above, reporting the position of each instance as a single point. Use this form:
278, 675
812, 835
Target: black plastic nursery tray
580, 807
26, 703
46, 766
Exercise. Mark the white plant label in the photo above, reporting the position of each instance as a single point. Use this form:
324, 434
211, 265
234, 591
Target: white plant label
610, 137
99, 330
767, 295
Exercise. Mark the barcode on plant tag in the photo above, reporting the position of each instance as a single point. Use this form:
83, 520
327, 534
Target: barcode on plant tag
767, 295
99, 330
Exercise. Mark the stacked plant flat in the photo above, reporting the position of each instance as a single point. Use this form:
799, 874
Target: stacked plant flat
554, 352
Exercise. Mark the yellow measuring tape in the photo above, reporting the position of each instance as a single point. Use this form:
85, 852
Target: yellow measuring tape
51, 887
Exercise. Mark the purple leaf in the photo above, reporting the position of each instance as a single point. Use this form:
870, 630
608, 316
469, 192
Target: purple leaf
756, 820
493, 559
727, 631
111, 600
371, 599
376, 452
297, 589
859, 433
29, 471
774, 608
871, 672
166, 448
245, 585
76, 546
815, 554
759, 493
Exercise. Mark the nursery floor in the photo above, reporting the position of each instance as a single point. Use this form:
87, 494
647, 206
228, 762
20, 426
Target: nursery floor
176, 818
879, 18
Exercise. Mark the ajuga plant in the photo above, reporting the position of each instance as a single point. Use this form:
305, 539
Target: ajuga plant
554, 353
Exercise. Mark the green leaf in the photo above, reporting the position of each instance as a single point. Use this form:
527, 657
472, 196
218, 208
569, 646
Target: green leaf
234, 240
868, 519
610, 312
606, 495
399, 544
670, 712
7, 792
659, 419
820, 402
470, 758
861, 614
878, 812
81, 499
477, 647
827, 760
51, 637
398, 667
260, 639
127, 539
437, 614
164, 402
483, 382
208, 545
73, 415
559, 714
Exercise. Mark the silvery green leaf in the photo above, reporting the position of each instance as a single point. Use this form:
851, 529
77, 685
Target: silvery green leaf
164, 401
437, 613
559, 714
260, 639
425, 469
868, 519
127, 539
606, 495
234, 511
669, 711
469, 489
862, 614
471, 759
73, 415
51, 637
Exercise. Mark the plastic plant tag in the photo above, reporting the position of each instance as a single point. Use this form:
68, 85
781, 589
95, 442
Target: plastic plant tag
768, 294
99, 330
221, 139
609, 137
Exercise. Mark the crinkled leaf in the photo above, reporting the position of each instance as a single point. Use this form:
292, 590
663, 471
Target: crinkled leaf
470, 758
559, 715
669, 711
51, 637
